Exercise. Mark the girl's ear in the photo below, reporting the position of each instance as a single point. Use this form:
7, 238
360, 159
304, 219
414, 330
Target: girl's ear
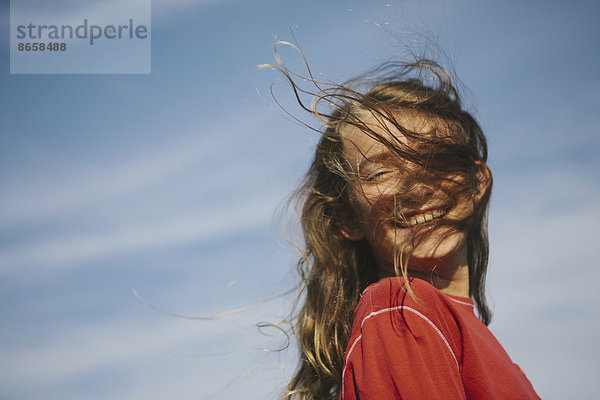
484, 176
350, 228
353, 234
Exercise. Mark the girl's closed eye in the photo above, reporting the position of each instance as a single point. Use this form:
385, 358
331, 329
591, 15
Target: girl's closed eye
377, 175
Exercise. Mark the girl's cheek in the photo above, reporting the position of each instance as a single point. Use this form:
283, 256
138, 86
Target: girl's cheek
379, 192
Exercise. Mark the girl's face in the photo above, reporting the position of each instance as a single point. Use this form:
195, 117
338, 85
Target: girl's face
398, 203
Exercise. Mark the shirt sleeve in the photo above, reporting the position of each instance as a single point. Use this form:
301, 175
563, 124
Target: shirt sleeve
400, 353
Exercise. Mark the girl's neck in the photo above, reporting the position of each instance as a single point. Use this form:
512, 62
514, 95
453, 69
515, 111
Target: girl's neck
456, 285
449, 275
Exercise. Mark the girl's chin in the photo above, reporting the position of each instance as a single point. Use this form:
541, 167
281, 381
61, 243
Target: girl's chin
436, 246
430, 252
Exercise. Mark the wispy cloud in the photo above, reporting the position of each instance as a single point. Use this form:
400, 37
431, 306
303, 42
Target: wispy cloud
47, 192
118, 201
105, 234
210, 224
198, 355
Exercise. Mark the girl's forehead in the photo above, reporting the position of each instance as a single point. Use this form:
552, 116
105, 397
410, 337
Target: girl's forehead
360, 142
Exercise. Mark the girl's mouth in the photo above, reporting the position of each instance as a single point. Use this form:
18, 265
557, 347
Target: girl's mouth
416, 218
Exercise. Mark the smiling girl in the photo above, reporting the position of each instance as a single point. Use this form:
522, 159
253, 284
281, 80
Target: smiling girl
395, 255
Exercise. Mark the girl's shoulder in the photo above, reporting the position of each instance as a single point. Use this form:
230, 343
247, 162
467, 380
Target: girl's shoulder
394, 294
389, 308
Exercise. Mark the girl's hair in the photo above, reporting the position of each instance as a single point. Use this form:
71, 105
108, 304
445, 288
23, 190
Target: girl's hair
335, 270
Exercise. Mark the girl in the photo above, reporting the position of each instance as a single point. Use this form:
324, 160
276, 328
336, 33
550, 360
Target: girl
394, 219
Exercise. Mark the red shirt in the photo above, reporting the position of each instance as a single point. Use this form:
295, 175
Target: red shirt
432, 348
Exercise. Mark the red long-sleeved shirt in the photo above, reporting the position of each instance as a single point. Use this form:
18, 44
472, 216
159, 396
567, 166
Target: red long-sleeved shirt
432, 348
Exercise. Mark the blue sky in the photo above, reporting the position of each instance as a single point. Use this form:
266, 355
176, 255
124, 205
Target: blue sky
169, 184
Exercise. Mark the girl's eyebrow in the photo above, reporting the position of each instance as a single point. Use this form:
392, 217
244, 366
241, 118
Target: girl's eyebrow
378, 157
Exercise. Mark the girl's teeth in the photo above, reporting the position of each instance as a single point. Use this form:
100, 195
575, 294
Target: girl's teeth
426, 217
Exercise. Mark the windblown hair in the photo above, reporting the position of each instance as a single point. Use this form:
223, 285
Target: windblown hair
335, 270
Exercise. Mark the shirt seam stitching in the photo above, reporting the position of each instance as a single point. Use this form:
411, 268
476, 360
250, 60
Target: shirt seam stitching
375, 313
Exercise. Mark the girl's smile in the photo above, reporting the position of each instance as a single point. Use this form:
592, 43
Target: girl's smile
414, 218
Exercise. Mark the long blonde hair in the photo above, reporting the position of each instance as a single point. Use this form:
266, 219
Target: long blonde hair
335, 270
